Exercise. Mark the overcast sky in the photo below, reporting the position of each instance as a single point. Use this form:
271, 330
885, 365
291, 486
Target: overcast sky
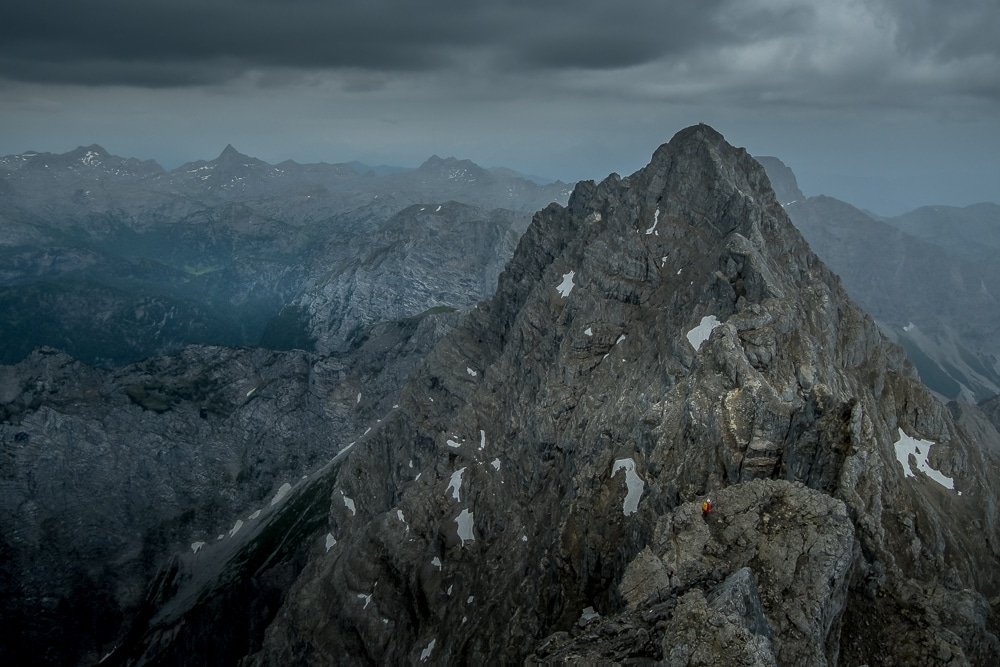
888, 104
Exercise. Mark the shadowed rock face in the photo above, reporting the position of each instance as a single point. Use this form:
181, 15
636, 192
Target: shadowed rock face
664, 338
107, 474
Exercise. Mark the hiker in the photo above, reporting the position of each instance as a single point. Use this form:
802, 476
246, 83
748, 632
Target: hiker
706, 507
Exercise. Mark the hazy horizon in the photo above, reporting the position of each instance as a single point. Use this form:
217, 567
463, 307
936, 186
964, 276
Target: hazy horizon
886, 104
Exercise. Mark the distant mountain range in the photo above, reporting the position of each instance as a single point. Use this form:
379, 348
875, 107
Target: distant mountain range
114, 260
929, 277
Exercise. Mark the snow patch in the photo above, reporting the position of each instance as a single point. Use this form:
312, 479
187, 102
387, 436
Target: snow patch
620, 339
566, 286
399, 515
282, 492
471, 372
196, 546
465, 522
482, 439
358, 399
254, 515
452, 443
700, 333
496, 464
455, 483
436, 562
633, 483
366, 598
656, 219
349, 504
920, 449
588, 614
588, 332
330, 541
236, 527
437, 210
909, 327
426, 653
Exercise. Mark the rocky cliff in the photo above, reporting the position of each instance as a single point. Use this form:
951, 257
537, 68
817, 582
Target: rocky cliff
664, 339
107, 473
939, 305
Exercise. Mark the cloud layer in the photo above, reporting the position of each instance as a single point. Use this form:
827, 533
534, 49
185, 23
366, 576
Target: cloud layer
572, 89
760, 50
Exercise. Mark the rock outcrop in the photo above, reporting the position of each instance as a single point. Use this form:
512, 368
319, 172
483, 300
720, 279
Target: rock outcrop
665, 338
108, 473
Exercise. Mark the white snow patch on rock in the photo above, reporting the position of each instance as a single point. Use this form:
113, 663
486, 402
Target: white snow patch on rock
196, 546
349, 504
482, 439
452, 443
588, 332
656, 219
566, 286
633, 483
330, 541
471, 372
465, 522
282, 492
920, 449
495, 463
436, 562
426, 653
700, 333
359, 398
455, 483
254, 515
236, 527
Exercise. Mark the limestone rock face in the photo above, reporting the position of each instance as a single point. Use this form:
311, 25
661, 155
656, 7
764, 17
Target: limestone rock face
664, 338
107, 474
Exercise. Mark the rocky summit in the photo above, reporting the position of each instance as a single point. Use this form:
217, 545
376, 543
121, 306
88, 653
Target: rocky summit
670, 438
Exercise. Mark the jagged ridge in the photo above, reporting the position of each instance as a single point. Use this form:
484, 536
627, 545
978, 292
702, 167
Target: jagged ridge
663, 337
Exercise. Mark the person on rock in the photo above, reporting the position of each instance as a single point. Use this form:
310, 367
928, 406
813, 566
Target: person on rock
706, 507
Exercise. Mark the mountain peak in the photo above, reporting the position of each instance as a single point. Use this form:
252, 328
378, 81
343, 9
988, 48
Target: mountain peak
229, 154
786, 187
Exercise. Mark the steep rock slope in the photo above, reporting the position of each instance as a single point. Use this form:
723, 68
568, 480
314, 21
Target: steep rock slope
427, 256
664, 338
107, 473
942, 307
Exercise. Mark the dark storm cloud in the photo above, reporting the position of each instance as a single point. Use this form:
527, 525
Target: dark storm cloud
184, 41
805, 52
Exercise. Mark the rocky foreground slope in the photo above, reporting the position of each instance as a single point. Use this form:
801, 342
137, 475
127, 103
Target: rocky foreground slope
665, 338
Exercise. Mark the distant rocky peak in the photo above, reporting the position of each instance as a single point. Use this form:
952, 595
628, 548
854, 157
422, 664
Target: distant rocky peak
452, 168
230, 157
92, 155
230, 153
786, 187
